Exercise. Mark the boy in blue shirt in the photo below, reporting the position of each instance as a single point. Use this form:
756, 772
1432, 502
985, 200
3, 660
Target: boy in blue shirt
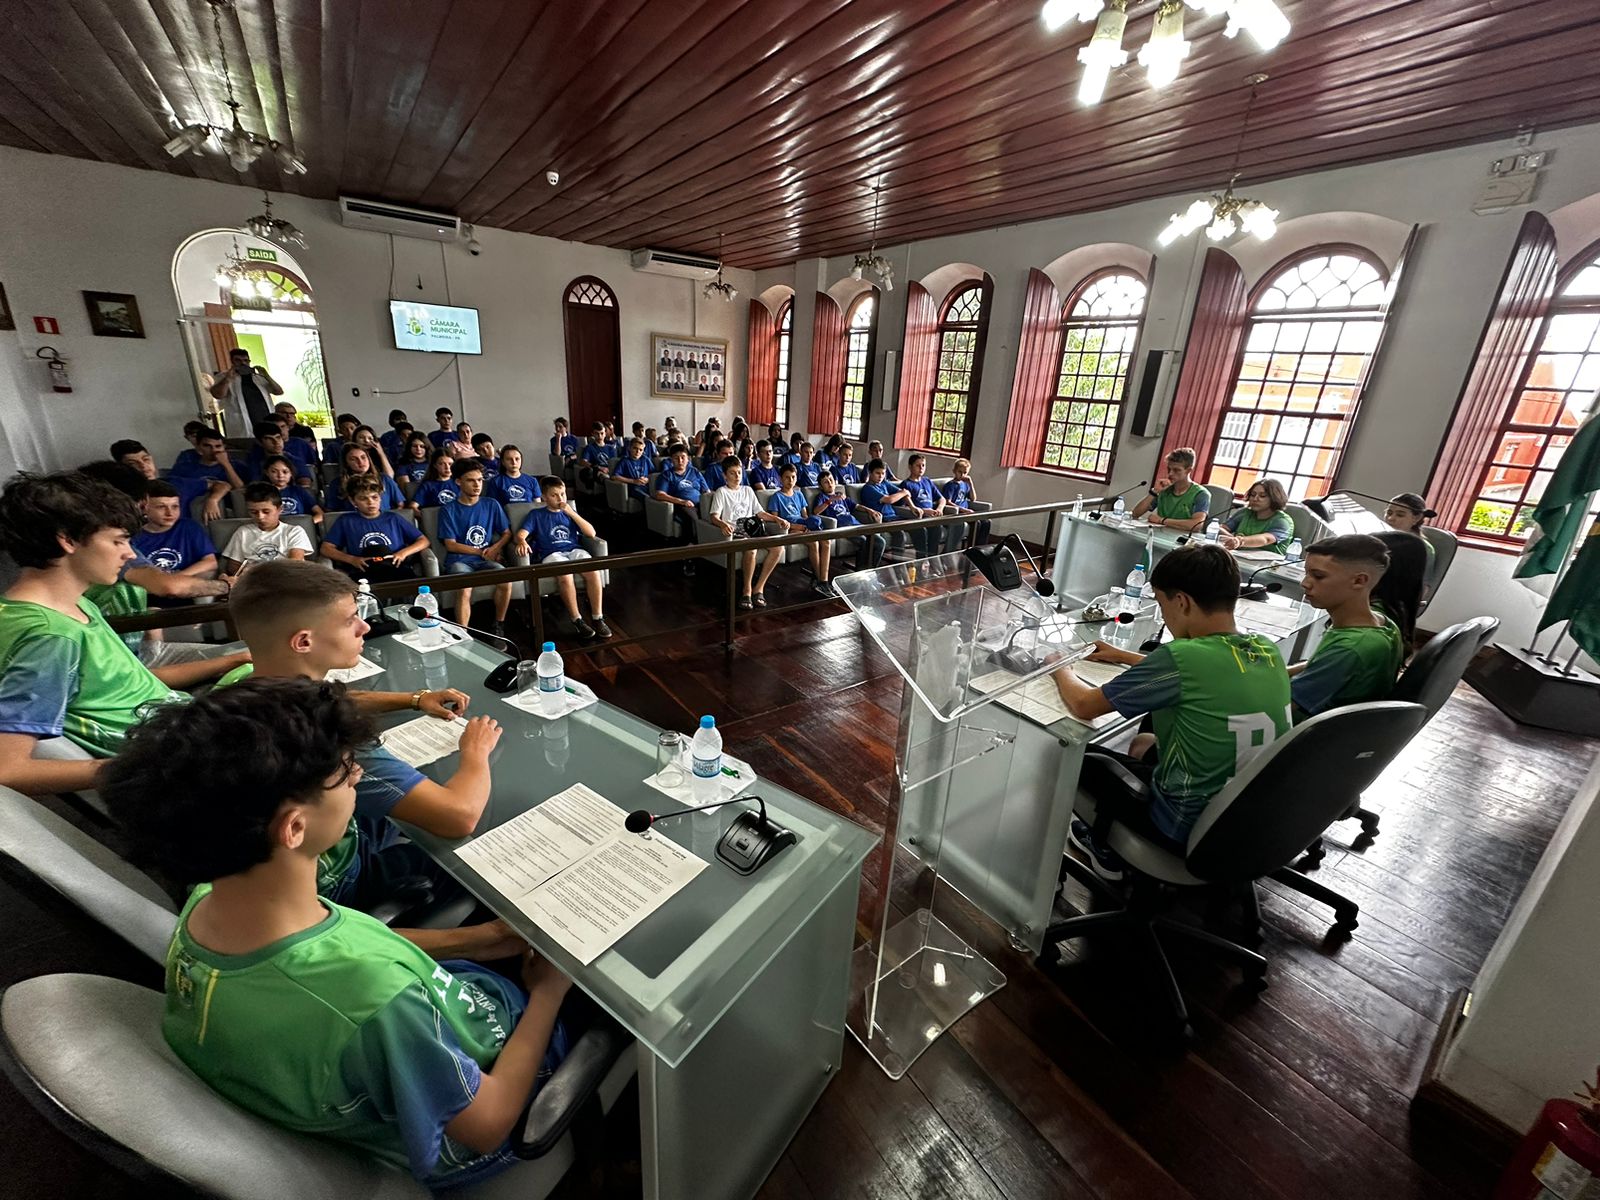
808, 470
875, 453
635, 467
271, 443
832, 502
789, 503
394, 441
846, 471
190, 488
212, 462
188, 459
681, 486
302, 1011
959, 494
510, 485
928, 500
764, 472
566, 444
554, 530
446, 433
172, 542
475, 531
488, 456
881, 496
344, 429
372, 543
597, 456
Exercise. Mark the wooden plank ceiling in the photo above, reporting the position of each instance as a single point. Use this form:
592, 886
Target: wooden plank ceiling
672, 121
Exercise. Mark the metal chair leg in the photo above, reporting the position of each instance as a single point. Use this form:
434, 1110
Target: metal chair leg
1255, 965
1345, 911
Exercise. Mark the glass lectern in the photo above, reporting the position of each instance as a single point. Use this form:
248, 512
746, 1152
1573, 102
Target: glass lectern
964, 826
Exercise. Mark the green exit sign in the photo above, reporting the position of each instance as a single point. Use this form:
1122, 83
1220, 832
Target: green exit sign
259, 255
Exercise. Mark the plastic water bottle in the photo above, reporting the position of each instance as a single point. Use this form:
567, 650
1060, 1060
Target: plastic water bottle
366, 602
1133, 590
429, 631
1296, 551
1212, 531
1077, 505
552, 680
1119, 509
705, 752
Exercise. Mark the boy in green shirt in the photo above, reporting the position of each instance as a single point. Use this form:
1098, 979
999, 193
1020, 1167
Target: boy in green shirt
63, 672
1215, 696
1177, 501
1359, 656
310, 1015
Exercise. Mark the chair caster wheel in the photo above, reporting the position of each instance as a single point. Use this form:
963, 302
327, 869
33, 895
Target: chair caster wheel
1256, 981
1311, 860
1342, 930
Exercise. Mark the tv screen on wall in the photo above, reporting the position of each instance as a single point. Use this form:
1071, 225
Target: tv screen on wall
439, 328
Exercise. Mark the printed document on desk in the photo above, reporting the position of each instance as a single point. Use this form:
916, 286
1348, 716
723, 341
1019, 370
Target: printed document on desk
1040, 700
572, 867
424, 740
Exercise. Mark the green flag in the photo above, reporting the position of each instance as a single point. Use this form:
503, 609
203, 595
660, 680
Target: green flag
1577, 596
1565, 505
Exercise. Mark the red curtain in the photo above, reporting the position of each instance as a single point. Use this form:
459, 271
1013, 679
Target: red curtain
827, 366
1510, 336
1209, 359
1038, 370
919, 361
761, 388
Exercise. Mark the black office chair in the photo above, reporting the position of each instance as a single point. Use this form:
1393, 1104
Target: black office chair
1284, 797
1428, 680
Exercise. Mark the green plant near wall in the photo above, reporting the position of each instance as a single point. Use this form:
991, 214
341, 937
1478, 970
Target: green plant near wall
313, 375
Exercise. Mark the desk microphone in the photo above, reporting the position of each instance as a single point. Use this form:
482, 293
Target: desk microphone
1042, 583
503, 678
751, 840
1019, 661
1249, 591
1096, 514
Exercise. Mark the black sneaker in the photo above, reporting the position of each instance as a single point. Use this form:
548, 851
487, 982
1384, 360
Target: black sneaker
582, 629
600, 628
1107, 863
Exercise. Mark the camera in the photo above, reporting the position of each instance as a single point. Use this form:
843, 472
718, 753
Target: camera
552, 177
474, 247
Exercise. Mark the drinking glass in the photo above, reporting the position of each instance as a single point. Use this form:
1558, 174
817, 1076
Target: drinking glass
669, 759
528, 675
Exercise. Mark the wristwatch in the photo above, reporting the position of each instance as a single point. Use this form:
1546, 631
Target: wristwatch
416, 698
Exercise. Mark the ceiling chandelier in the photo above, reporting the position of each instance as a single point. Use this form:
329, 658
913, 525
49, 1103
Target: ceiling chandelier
873, 261
1223, 213
241, 145
1164, 53
274, 229
243, 278
719, 288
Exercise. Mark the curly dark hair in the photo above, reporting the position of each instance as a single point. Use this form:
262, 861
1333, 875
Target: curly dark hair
198, 815
37, 510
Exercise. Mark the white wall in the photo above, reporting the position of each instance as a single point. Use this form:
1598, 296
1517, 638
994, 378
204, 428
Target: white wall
71, 225
1449, 282
1534, 1029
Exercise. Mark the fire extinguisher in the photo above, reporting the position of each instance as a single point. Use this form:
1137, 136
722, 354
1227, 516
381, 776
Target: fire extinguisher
60, 381
1559, 1159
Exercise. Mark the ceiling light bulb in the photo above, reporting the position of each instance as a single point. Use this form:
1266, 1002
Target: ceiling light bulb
1258, 220
223, 279
289, 162
1103, 52
1166, 48
1197, 214
1223, 227
1263, 20
1057, 13
1174, 230
189, 138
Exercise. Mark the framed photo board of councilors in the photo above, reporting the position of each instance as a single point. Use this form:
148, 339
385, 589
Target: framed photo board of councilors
688, 367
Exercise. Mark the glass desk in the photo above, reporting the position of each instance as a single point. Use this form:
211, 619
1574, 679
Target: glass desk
983, 794
735, 988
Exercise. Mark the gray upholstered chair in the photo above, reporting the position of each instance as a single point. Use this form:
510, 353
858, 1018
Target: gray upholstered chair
428, 559
222, 531
596, 546
88, 1053
428, 521
1444, 553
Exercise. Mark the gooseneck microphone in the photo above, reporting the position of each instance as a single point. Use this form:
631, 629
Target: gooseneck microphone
750, 841
1042, 583
1248, 589
639, 820
417, 613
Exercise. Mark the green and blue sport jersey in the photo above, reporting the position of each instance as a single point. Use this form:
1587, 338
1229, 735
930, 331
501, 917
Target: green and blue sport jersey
1279, 526
1214, 701
347, 1031
1351, 666
1193, 503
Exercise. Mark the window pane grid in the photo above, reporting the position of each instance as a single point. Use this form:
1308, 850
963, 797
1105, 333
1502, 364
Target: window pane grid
953, 382
785, 335
1098, 336
857, 367
1308, 349
1551, 402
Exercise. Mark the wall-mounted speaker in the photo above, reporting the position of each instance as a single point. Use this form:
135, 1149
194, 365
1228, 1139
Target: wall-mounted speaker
1149, 401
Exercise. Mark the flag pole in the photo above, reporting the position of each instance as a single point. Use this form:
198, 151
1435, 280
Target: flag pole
1573, 658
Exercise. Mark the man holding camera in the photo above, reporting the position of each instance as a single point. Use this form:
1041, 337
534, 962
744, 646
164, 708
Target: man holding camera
244, 389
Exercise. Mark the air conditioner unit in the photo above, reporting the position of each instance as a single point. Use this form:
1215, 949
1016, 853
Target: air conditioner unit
675, 263
398, 219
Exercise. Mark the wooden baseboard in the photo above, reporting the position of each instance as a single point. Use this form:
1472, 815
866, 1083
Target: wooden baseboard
1446, 1111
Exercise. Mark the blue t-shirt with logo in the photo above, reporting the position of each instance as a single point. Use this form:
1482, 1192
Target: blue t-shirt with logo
551, 531
838, 506
635, 469
688, 486
958, 491
599, 454
474, 525
297, 501
791, 508
569, 444
806, 473
195, 469
514, 489
436, 492
333, 500
848, 473
174, 549
442, 437
189, 488
872, 495
763, 477
372, 537
923, 493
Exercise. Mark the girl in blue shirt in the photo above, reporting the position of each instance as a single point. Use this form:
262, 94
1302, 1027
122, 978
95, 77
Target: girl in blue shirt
437, 487
413, 463
511, 486
354, 463
297, 501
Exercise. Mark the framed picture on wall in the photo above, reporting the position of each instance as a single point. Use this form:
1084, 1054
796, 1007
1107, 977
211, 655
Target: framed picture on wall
113, 314
7, 322
686, 367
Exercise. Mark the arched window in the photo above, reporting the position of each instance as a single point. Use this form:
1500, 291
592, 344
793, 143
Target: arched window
962, 326
1308, 346
861, 327
1553, 395
594, 353
1099, 327
785, 338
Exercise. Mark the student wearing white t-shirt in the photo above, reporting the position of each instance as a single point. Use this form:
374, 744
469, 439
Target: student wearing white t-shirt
269, 537
732, 503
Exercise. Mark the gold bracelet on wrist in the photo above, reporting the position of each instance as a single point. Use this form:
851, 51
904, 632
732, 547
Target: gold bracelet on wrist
416, 698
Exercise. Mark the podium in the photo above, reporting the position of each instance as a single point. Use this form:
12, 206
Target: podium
970, 827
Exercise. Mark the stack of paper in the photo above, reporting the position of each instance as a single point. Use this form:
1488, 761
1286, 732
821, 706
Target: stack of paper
423, 740
573, 868
1040, 700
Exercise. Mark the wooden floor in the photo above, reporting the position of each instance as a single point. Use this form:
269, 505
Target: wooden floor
1053, 1088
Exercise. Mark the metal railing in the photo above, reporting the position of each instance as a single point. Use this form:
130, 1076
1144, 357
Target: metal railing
729, 552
